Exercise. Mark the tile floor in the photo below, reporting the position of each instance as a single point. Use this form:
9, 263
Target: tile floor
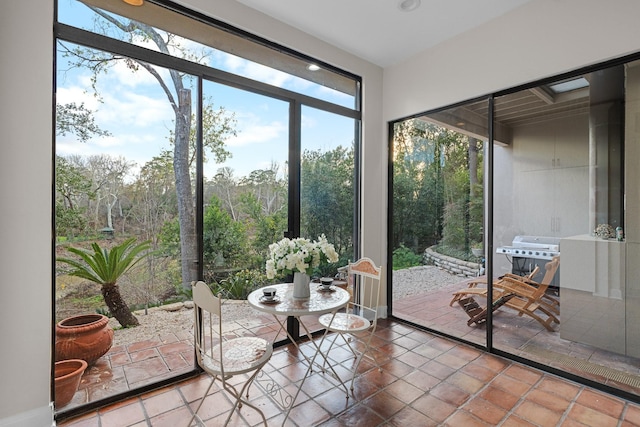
426, 381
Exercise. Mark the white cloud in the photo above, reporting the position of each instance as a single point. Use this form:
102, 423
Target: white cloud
258, 134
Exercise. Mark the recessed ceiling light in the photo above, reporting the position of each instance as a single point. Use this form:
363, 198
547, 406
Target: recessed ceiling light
313, 67
408, 5
134, 2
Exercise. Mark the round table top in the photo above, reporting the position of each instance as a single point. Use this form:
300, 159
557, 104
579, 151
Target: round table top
285, 304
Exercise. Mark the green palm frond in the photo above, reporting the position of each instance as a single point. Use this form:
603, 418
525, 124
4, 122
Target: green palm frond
105, 266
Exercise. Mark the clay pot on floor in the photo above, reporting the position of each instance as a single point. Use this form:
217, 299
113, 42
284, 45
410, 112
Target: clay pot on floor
67, 376
87, 337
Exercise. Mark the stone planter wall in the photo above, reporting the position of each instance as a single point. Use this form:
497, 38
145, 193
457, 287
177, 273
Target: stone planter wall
452, 265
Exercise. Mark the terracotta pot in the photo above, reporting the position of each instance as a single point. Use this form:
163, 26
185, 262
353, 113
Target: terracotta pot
87, 337
67, 376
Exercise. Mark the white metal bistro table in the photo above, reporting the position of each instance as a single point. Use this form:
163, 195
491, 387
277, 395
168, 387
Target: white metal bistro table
284, 305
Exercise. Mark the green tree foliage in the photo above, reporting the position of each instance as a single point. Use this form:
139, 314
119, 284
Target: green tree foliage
266, 228
71, 186
432, 198
327, 198
224, 240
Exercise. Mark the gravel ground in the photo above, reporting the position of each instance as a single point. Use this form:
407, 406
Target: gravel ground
160, 321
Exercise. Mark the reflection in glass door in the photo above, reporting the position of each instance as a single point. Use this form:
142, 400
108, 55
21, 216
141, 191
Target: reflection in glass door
438, 240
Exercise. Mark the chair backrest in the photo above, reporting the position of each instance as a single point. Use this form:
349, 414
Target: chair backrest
208, 323
551, 267
531, 288
366, 277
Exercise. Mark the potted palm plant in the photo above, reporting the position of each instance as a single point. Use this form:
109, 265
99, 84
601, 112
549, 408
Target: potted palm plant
104, 267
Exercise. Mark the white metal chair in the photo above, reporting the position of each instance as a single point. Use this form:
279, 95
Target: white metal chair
360, 318
224, 358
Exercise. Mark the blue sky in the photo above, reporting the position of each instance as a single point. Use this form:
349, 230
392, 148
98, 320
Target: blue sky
138, 115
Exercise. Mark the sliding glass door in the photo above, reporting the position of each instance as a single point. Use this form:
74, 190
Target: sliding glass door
559, 236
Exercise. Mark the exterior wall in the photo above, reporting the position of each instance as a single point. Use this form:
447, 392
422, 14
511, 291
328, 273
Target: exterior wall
534, 197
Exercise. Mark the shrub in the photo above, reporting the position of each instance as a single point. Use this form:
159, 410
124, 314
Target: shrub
239, 285
404, 257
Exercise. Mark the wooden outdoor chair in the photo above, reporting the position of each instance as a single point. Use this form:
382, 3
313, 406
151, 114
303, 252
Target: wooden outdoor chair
477, 314
526, 296
478, 286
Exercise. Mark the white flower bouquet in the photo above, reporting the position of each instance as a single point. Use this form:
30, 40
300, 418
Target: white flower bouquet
299, 255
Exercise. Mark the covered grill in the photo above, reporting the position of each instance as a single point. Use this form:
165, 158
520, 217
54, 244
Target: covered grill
528, 251
536, 247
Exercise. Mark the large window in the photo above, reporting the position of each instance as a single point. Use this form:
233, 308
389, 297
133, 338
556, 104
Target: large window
563, 185
204, 142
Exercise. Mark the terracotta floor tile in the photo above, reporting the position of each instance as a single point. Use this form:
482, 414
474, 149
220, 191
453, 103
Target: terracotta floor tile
464, 352
437, 369
523, 373
466, 419
511, 385
359, 415
479, 372
426, 380
537, 414
123, 415
213, 405
465, 382
485, 410
499, 397
145, 354
591, 417
421, 380
404, 391
384, 404
516, 421
600, 402
451, 360
632, 414
552, 402
171, 418
435, 408
565, 389
410, 417
159, 403
450, 394
397, 368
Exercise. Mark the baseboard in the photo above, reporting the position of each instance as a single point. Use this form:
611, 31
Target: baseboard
39, 417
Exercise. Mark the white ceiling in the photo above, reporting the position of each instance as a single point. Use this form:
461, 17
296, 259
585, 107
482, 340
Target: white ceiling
377, 30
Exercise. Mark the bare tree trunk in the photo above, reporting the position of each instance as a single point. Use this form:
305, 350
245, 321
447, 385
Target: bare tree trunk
473, 166
186, 210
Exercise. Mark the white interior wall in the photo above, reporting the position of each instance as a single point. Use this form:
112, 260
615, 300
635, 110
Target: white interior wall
25, 230
540, 39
